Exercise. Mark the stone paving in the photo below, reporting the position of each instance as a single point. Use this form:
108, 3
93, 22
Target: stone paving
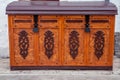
6, 74
117, 44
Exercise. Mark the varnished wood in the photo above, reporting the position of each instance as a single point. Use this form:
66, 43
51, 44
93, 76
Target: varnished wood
49, 24
112, 29
61, 26
105, 27
12, 62
22, 21
68, 28
30, 59
91, 55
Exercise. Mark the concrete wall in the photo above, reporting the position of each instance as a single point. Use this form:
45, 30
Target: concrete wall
4, 47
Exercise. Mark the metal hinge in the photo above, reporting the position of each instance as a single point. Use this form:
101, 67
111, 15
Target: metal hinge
87, 25
35, 29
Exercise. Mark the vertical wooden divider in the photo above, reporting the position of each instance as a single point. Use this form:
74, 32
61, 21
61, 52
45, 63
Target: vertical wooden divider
86, 51
111, 39
36, 40
12, 61
37, 46
62, 38
86, 46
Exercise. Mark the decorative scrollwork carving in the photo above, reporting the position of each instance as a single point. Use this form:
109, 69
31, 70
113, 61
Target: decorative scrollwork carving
23, 43
99, 44
49, 43
74, 43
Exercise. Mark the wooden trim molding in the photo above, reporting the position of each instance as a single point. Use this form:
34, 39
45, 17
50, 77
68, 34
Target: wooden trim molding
23, 21
46, 21
61, 68
74, 21
100, 21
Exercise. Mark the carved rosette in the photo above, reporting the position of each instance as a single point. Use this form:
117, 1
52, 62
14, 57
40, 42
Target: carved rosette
99, 44
74, 43
23, 43
49, 43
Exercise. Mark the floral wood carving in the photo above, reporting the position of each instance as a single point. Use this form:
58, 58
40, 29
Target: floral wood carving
23, 43
49, 43
99, 44
74, 43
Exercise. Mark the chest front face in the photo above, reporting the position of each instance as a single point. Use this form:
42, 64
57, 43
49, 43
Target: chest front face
61, 40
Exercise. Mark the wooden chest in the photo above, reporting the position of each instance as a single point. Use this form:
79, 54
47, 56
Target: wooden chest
61, 35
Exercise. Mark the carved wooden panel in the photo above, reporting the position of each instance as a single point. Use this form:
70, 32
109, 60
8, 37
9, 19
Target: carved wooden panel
74, 21
23, 43
49, 43
48, 21
23, 21
98, 53
24, 47
73, 47
99, 42
73, 50
49, 47
100, 21
74, 43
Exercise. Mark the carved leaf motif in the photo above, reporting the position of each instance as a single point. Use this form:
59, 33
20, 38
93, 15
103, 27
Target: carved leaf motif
99, 44
23, 43
74, 43
49, 43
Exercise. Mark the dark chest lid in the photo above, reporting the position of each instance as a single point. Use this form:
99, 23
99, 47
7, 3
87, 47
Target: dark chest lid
61, 7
